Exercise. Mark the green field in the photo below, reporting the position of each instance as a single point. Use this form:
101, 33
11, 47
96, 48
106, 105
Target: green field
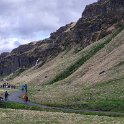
8, 116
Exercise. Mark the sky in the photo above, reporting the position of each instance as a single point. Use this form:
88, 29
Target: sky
23, 21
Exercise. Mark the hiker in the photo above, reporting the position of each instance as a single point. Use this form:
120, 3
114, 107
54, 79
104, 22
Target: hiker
26, 87
4, 85
8, 85
6, 95
22, 87
26, 98
14, 86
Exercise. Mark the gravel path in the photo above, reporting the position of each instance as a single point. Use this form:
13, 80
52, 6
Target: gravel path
15, 97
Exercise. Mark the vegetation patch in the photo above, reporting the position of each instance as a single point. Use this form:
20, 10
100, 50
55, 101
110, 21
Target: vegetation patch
109, 105
15, 74
107, 96
13, 105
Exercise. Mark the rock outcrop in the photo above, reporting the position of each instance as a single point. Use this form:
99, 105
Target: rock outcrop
98, 20
26, 57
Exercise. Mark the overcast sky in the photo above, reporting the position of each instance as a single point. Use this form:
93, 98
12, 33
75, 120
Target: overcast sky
23, 21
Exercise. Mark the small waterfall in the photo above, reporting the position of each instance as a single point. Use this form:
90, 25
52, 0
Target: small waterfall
37, 61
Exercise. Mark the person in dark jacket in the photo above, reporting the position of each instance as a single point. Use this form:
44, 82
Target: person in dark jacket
26, 87
6, 95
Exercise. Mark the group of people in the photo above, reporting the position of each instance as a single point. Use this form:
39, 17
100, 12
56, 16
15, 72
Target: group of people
7, 85
24, 89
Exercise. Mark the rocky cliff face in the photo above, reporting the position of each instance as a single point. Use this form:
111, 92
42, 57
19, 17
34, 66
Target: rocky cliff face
98, 20
25, 56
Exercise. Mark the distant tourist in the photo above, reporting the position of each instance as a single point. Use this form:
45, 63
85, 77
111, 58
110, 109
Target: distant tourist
14, 86
4, 85
6, 95
26, 98
26, 87
9, 86
22, 87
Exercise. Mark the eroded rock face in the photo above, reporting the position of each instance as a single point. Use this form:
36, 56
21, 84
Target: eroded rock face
23, 48
4, 54
103, 7
26, 57
98, 20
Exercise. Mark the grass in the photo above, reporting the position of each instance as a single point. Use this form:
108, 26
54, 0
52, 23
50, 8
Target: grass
37, 117
19, 106
106, 96
13, 105
71, 69
109, 105
120, 64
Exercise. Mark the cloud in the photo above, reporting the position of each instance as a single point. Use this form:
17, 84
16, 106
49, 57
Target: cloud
29, 20
6, 45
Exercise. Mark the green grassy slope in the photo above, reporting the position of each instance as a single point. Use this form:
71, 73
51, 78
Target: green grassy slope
68, 71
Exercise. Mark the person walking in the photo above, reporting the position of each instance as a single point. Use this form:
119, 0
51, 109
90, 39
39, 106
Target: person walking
26, 87
22, 88
6, 95
4, 85
26, 97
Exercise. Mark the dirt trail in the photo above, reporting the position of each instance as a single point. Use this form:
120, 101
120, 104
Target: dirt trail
15, 97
